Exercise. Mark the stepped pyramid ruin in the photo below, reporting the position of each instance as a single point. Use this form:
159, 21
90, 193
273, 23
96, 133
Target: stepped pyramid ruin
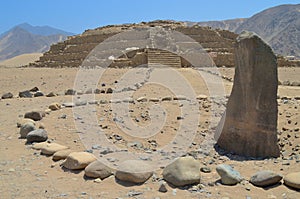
219, 44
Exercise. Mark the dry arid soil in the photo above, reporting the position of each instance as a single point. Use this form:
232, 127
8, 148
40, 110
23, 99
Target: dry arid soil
25, 173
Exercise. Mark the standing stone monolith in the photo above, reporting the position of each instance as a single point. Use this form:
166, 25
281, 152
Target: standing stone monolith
249, 125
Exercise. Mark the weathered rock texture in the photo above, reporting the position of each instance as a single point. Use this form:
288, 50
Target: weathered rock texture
250, 122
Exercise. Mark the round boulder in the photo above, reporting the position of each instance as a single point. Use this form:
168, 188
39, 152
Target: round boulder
39, 135
265, 178
183, 171
26, 128
98, 170
35, 115
134, 171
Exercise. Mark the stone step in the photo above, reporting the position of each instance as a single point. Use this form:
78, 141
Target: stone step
163, 57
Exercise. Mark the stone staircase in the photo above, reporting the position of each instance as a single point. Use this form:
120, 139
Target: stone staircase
166, 58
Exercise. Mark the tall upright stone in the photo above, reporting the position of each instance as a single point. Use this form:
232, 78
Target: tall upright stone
249, 125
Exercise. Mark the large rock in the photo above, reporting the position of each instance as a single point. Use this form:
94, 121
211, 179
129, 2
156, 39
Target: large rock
35, 115
292, 180
51, 148
26, 128
183, 171
78, 160
265, 178
98, 170
228, 175
39, 135
134, 171
61, 155
249, 126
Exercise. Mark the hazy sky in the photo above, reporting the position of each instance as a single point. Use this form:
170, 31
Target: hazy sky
76, 16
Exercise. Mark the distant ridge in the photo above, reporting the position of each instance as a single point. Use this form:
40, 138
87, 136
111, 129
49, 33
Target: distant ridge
25, 38
279, 26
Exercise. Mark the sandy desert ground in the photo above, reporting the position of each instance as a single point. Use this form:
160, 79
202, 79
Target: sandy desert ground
25, 173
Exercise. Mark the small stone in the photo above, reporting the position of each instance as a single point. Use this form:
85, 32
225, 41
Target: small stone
81, 103
35, 115
265, 178
292, 180
68, 104
7, 96
142, 99
34, 89
61, 155
167, 98
229, 176
51, 94
38, 94
25, 94
39, 135
97, 169
180, 97
162, 187
78, 160
153, 100
205, 169
109, 91
97, 91
70, 92
54, 106
97, 180
103, 102
26, 128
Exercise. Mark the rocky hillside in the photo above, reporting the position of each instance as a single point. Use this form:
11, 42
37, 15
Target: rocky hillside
279, 26
28, 39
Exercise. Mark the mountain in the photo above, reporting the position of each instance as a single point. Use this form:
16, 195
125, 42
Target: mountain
231, 24
43, 30
279, 26
25, 38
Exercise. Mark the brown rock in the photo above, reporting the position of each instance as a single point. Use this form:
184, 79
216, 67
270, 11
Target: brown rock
54, 106
78, 160
60, 155
292, 180
134, 171
98, 170
35, 115
249, 126
39, 146
51, 148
